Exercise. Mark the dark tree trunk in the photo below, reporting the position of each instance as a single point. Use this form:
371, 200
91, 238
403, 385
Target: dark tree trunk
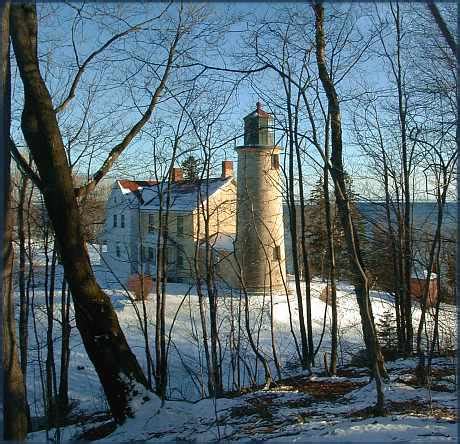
331, 255
23, 299
15, 405
394, 255
405, 223
441, 195
63, 394
293, 228
96, 320
337, 172
212, 292
303, 243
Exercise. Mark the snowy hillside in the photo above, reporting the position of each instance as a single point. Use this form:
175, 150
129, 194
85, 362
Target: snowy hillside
188, 382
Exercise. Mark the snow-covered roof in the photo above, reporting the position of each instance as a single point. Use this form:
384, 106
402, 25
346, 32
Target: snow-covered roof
184, 194
131, 186
422, 274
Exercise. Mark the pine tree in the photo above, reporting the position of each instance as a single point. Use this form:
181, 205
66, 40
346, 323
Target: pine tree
386, 331
317, 230
316, 227
191, 168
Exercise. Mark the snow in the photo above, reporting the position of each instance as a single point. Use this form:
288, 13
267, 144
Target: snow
423, 274
282, 417
185, 416
183, 195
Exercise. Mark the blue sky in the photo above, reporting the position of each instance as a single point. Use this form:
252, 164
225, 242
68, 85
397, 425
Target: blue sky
57, 50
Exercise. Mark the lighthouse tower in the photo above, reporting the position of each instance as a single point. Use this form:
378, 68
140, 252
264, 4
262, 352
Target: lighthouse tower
260, 231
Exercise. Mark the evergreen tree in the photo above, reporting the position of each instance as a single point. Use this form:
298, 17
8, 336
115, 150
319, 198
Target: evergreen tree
379, 259
317, 230
191, 168
316, 227
386, 331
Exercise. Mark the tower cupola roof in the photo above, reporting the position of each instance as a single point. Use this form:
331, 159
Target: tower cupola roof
259, 112
258, 128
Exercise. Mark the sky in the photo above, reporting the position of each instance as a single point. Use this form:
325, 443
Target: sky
113, 108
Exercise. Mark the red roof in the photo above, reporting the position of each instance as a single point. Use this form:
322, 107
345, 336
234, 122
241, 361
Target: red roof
134, 185
260, 111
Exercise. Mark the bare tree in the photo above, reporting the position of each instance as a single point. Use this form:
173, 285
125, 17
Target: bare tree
96, 320
15, 413
352, 240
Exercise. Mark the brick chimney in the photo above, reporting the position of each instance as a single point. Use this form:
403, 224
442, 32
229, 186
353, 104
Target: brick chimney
227, 169
176, 175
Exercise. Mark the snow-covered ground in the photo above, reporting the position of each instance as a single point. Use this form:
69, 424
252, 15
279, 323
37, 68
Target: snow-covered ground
292, 412
187, 378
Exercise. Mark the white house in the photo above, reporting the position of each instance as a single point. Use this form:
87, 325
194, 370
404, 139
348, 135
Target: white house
197, 220
132, 224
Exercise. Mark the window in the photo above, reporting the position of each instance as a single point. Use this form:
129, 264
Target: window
122, 221
114, 221
117, 250
152, 258
275, 161
164, 226
148, 255
169, 255
180, 258
151, 223
180, 225
277, 253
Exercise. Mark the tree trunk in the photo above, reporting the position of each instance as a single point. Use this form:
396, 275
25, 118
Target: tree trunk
303, 243
63, 394
96, 320
337, 172
407, 228
293, 228
15, 410
23, 299
331, 254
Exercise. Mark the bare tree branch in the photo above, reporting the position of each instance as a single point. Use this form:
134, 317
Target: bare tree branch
81, 68
24, 166
449, 38
119, 148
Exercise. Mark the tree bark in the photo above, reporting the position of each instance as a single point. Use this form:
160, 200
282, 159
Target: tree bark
337, 172
331, 253
63, 394
15, 406
96, 320
306, 353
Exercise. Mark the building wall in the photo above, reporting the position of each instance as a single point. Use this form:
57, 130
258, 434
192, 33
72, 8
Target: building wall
222, 214
260, 220
125, 238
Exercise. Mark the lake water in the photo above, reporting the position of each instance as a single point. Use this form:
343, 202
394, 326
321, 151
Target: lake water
424, 215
